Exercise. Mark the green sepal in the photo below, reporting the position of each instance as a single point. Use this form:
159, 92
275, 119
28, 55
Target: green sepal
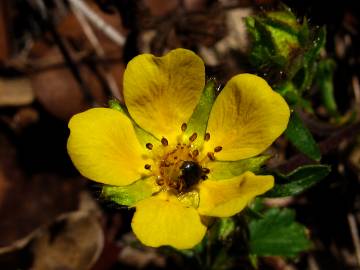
131, 194
304, 33
143, 136
115, 105
278, 234
220, 170
263, 50
274, 37
315, 46
298, 180
199, 119
285, 17
283, 37
301, 137
324, 76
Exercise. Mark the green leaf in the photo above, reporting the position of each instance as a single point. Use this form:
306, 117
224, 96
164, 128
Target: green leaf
227, 169
198, 120
304, 32
278, 234
315, 45
325, 72
298, 180
301, 138
224, 227
129, 195
289, 92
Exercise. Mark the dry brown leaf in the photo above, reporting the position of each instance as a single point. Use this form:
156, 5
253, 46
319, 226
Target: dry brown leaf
73, 243
16, 92
59, 92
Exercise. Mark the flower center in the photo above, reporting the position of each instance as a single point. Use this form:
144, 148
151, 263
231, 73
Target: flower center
179, 167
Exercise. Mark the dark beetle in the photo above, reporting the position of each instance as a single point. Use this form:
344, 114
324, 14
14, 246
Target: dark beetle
191, 173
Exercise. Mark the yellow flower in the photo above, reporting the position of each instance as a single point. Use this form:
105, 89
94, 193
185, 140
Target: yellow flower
176, 153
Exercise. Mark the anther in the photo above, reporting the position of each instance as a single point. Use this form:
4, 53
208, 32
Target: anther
217, 149
183, 127
174, 185
193, 137
211, 156
206, 170
149, 146
147, 166
160, 181
195, 153
164, 141
207, 136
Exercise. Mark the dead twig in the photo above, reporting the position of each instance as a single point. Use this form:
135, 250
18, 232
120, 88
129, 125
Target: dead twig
46, 21
355, 236
107, 29
94, 41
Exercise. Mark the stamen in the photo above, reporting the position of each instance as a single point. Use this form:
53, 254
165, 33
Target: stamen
164, 141
217, 149
204, 177
193, 137
149, 146
206, 170
207, 136
147, 166
183, 127
174, 185
195, 153
160, 181
211, 156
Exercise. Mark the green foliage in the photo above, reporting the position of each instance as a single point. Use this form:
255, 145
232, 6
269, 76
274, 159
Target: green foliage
278, 234
301, 137
298, 180
224, 228
286, 51
324, 80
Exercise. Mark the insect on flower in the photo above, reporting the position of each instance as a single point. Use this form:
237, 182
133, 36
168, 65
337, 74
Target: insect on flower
174, 152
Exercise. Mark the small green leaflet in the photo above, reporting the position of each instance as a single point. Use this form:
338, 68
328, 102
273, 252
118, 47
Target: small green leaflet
278, 234
301, 137
298, 180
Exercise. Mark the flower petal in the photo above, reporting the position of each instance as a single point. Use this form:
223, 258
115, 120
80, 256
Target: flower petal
164, 220
246, 118
103, 147
227, 197
162, 92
